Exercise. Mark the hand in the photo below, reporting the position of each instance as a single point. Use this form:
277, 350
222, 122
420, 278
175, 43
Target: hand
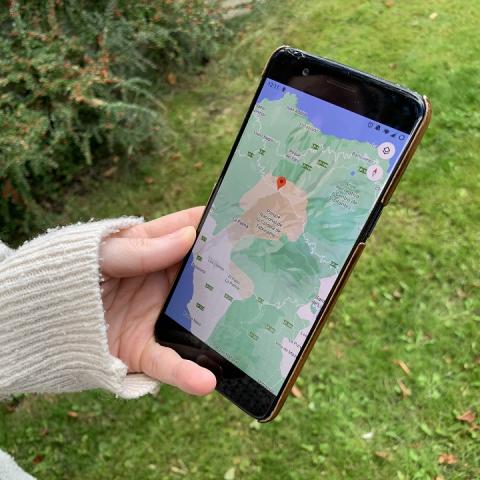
139, 265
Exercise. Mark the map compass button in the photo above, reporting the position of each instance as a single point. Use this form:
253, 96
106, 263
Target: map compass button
374, 172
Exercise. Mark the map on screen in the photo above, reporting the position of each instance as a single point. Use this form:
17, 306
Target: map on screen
298, 191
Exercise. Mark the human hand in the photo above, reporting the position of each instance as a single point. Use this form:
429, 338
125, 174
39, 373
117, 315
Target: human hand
138, 266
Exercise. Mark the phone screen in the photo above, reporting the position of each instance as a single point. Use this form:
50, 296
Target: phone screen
299, 188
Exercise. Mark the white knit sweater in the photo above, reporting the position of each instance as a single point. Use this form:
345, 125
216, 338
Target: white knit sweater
52, 329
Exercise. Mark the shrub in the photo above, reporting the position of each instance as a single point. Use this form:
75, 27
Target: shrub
75, 88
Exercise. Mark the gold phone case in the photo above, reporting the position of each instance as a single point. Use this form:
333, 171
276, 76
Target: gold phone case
416, 138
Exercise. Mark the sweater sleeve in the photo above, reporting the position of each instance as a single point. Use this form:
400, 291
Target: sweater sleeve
53, 336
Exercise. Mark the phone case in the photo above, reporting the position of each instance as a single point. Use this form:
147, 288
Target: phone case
417, 136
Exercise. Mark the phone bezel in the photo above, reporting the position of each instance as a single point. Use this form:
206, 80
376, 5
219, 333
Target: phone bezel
384, 101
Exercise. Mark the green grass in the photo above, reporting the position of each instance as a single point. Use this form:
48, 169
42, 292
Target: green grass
413, 297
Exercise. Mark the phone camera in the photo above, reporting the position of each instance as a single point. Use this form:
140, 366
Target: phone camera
305, 72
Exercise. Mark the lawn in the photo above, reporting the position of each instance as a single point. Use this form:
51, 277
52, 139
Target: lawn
400, 359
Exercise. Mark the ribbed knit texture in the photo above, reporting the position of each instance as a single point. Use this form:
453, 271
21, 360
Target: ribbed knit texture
53, 336
52, 328
9, 470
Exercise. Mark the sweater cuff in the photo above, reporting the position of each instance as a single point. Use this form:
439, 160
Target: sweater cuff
52, 326
9, 470
4, 251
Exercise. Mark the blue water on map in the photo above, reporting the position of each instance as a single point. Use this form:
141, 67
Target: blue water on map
177, 307
337, 121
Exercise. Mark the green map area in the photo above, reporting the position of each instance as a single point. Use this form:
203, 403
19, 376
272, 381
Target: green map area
284, 240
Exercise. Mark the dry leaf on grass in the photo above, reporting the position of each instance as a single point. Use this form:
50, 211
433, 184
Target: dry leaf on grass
148, 180
403, 366
72, 414
468, 416
406, 392
389, 3
433, 16
461, 294
177, 470
296, 392
383, 455
447, 459
198, 165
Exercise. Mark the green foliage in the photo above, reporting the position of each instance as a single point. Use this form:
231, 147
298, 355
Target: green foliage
76, 87
414, 295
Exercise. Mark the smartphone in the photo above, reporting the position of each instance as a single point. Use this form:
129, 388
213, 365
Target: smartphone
318, 156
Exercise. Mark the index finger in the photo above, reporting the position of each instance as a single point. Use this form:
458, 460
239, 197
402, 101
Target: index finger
165, 225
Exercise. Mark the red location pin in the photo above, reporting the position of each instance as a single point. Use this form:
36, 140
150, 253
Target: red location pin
281, 182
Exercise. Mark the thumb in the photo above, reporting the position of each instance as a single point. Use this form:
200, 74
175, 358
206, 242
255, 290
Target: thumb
129, 257
168, 366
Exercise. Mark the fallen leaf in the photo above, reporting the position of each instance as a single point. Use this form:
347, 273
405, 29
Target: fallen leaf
397, 294
406, 392
296, 392
447, 459
177, 470
461, 294
389, 3
468, 416
403, 366
433, 16
439, 477
148, 180
230, 474
72, 414
175, 156
108, 173
383, 455
171, 79
198, 165
37, 459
